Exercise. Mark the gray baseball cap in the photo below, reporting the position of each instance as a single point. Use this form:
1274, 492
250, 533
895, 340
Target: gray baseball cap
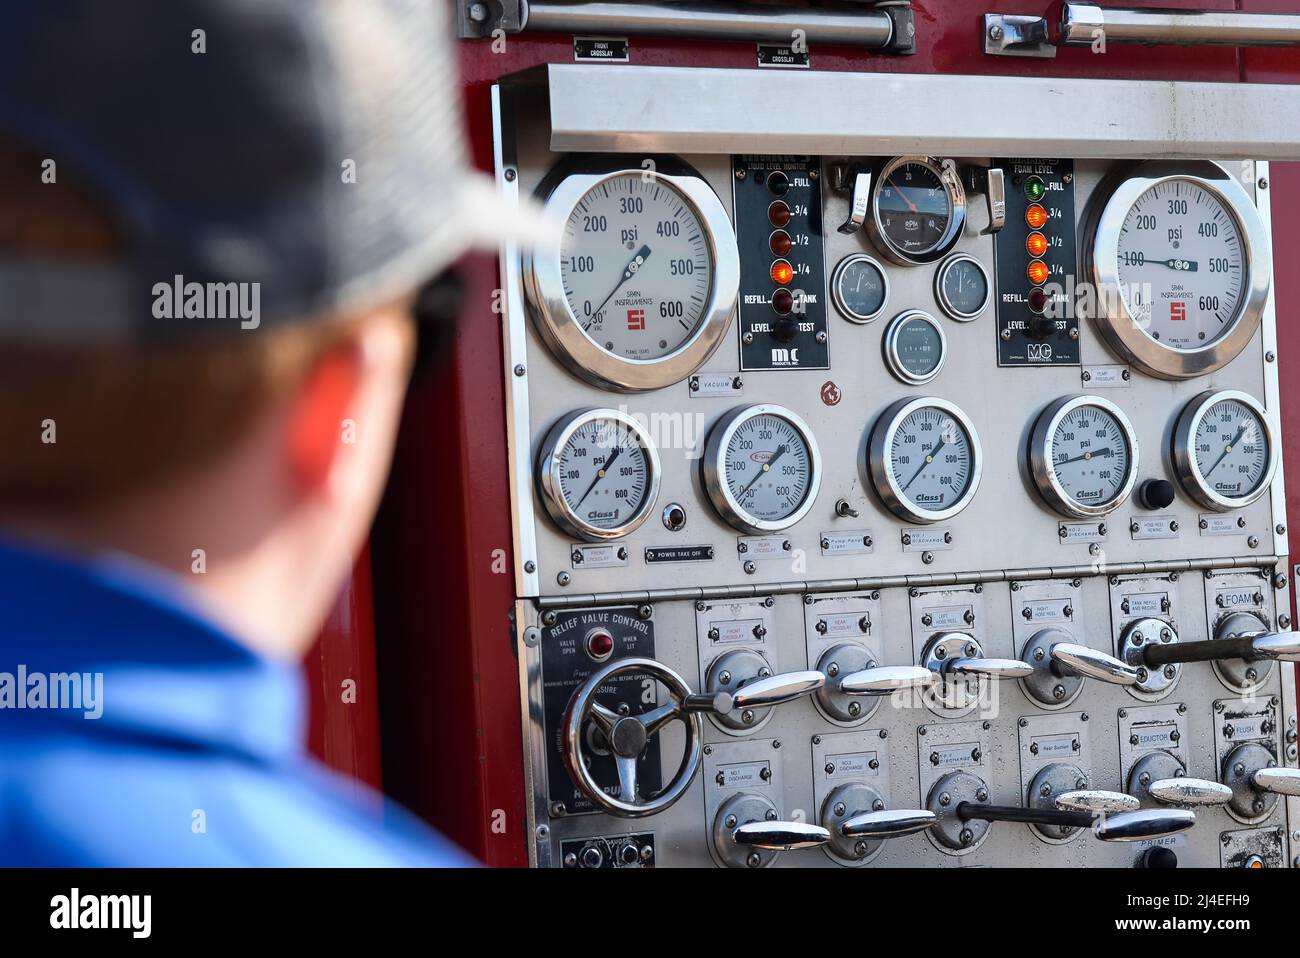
309, 153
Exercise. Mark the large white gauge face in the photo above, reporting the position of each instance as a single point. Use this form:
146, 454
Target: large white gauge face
1182, 264
599, 474
1089, 454
762, 468
1231, 447
1224, 449
931, 459
636, 266
924, 459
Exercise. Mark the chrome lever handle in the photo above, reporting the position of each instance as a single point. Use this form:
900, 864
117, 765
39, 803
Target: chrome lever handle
1141, 825
1097, 801
1093, 664
889, 823
1280, 781
776, 689
886, 679
859, 203
989, 668
1281, 646
780, 836
1189, 791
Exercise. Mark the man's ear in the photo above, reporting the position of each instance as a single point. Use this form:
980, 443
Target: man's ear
315, 420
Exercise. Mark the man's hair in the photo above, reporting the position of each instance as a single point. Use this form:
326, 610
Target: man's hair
81, 426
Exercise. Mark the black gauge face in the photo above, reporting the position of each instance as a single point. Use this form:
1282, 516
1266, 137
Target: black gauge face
963, 288
860, 288
913, 208
914, 347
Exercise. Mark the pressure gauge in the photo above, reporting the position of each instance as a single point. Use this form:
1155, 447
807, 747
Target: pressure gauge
598, 474
639, 288
859, 288
1083, 456
924, 459
914, 347
761, 468
918, 209
1224, 449
962, 287
1182, 268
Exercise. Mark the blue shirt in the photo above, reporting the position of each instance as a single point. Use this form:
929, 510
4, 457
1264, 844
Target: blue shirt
196, 757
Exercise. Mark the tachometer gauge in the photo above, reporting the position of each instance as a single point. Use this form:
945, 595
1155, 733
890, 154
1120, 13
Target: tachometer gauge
1181, 268
1083, 456
598, 474
918, 209
640, 291
925, 460
1224, 449
761, 468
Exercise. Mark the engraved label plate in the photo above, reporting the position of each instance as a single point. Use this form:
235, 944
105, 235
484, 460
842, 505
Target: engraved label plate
926, 540
858, 542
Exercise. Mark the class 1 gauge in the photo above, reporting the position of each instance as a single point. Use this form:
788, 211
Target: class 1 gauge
1083, 456
1181, 268
598, 474
638, 289
924, 459
761, 468
918, 209
1224, 449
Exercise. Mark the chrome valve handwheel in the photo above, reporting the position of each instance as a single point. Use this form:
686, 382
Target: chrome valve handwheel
628, 735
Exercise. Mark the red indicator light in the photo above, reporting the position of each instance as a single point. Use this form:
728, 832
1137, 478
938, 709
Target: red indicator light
1036, 243
779, 243
1037, 272
781, 272
783, 301
1037, 300
778, 214
1035, 216
600, 644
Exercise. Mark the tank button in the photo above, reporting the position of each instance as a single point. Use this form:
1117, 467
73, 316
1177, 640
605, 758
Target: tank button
1158, 857
1156, 494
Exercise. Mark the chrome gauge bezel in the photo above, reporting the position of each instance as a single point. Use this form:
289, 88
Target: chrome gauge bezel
548, 475
838, 298
889, 344
942, 297
1110, 313
946, 172
882, 477
563, 333
1183, 453
713, 469
1044, 473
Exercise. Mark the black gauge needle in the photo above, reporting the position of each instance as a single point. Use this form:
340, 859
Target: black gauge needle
630, 270
1181, 265
600, 474
780, 451
1088, 455
928, 459
1228, 448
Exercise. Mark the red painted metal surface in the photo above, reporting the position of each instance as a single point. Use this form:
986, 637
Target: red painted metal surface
443, 588
341, 683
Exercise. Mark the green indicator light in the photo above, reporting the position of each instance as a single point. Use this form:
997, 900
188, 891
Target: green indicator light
1034, 188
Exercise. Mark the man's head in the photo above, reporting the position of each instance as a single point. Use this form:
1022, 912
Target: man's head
162, 169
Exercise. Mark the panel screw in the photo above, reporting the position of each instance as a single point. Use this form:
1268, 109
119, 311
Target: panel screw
1279, 581
995, 33
564, 578
530, 566
520, 369
645, 611
1253, 542
750, 567
510, 174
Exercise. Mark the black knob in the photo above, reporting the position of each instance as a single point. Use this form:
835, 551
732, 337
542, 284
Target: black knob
784, 329
1156, 494
1158, 857
629, 854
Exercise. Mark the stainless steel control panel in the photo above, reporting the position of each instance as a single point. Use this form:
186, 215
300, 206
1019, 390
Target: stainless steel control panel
896, 510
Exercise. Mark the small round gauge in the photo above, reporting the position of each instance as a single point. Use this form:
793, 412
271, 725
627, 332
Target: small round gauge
915, 347
962, 287
639, 289
918, 209
860, 288
761, 468
1083, 456
598, 473
924, 459
1224, 450
1182, 269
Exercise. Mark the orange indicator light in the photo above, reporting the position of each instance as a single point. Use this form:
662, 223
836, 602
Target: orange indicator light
1036, 243
1035, 216
1037, 272
782, 272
